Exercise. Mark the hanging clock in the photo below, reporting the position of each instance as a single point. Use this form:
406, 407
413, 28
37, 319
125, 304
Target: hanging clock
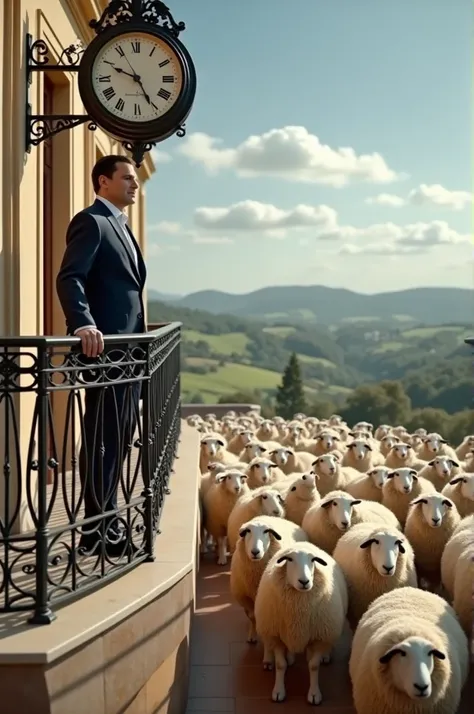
137, 82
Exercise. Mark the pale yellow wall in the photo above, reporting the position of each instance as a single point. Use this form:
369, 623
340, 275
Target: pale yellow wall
60, 23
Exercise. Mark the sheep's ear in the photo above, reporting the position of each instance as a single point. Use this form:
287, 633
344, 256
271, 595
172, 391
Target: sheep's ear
273, 465
454, 463
400, 547
367, 543
385, 659
244, 477
315, 463
212, 467
326, 504
220, 478
336, 455
319, 560
281, 499
431, 463
356, 502
219, 441
293, 488
391, 474
437, 653
244, 532
288, 451
443, 441
448, 503
284, 559
272, 453
456, 480
262, 449
418, 500
273, 533
369, 448
414, 474
352, 433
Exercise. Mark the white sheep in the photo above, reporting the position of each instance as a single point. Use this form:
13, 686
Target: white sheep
207, 479
301, 606
409, 655
461, 490
461, 540
400, 488
326, 441
251, 450
331, 476
434, 445
290, 461
300, 496
431, 521
213, 448
439, 471
362, 456
267, 431
338, 511
258, 541
403, 455
374, 559
218, 504
387, 442
263, 472
381, 431
263, 501
462, 593
369, 486
239, 441
465, 447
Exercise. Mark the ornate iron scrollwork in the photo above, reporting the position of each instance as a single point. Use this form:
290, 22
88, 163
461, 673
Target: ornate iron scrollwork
153, 11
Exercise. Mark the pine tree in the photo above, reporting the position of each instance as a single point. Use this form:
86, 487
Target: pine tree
290, 394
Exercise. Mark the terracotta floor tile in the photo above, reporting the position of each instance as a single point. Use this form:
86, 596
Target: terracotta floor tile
213, 704
210, 680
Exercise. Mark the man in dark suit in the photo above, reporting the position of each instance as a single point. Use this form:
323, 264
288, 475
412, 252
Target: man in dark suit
100, 286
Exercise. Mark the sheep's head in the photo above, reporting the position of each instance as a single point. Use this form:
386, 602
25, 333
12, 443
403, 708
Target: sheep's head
433, 443
300, 564
411, 663
271, 502
299, 416
402, 451
466, 485
469, 440
329, 439
433, 508
258, 537
420, 432
378, 475
295, 432
215, 467
232, 481
194, 420
280, 456
211, 445
260, 469
402, 479
246, 436
364, 425
443, 466
339, 509
385, 549
360, 448
254, 449
383, 430
278, 420
327, 463
335, 419
305, 486
415, 441
245, 422
267, 427
389, 441
360, 434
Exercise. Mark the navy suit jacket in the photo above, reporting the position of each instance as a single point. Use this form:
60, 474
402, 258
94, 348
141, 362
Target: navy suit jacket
98, 282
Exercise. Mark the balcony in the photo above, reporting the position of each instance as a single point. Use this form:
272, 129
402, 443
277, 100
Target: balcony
94, 626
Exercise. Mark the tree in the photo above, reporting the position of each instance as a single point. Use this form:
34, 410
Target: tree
383, 403
290, 397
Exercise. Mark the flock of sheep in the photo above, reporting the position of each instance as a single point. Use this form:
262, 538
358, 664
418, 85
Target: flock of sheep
328, 524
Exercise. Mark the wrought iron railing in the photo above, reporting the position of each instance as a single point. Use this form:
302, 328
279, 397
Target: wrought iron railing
86, 451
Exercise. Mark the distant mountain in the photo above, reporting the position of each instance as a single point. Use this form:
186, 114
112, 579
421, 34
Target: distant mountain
329, 306
154, 295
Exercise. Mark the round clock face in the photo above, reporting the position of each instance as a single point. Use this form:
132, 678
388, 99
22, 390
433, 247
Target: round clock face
137, 77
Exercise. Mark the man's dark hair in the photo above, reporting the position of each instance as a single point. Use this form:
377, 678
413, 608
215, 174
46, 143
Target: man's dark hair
106, 166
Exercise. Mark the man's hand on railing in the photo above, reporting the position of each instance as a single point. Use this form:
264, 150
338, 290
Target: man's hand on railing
92, 341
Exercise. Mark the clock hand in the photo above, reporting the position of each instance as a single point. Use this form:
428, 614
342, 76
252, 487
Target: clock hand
122, 71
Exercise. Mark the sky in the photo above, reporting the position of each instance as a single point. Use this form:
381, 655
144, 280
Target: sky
329, 144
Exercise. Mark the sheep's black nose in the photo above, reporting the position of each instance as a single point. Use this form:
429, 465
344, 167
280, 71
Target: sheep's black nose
255, 552
344, 524
304, 582
406, 489
388, 569
436, 521
421, 687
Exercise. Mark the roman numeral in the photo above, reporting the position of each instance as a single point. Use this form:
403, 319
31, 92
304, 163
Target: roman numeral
167, 79
164, 63
109, 93
105, 78
120, 51
120, 105
164, 94
136, 46
152, 52
137, 111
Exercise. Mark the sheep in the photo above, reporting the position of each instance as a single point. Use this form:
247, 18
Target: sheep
267, 431
295, 433
461, 490
462, 593
403, 455
433, 445
258, 541
218, 504
374, 559
251, 450
369, 486
465, 447
263, 472
213, 448
401, 487
461, 539
290, 461
263, 501
409, 655
194, 420
381, 431
301, 606
331, 476
387, 442
240, 440
439, 471
431, 521
326, 441
326, 521
301, 495
362, 456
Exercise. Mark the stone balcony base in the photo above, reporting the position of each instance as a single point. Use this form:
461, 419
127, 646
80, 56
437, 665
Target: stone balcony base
125, 648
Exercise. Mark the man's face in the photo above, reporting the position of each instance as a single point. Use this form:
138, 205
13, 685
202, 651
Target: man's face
121, 188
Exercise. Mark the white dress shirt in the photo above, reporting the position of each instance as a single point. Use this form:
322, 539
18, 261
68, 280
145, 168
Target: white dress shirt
122, 219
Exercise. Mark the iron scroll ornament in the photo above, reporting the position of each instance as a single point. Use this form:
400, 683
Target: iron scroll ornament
130, 132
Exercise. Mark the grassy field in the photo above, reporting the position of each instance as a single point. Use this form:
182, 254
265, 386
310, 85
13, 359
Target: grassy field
228, 379
282, 331
427, 332
307, 359
388, 347
220, 344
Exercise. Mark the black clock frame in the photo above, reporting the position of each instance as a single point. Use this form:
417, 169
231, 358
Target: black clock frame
149, 15
153, 131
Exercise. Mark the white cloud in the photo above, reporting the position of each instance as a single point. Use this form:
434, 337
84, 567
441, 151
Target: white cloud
211, 240
155, 249
291, 153
389, 238
160, 157
424, 195
167, 227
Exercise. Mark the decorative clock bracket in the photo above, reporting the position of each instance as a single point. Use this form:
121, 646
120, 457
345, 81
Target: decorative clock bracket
41, 127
